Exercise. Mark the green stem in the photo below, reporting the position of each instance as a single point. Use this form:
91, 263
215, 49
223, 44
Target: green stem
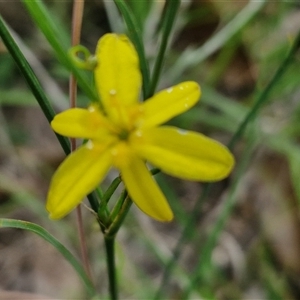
37, 91
169, 15
109, 239
262, 98
31, 80
111, 267
206, 250
185, 236
47, 23
118, 207
117, 222
103, 211
43, 233
191, 58
111, 189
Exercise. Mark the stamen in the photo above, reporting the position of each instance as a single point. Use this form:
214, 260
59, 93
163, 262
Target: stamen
89, 145
139, 133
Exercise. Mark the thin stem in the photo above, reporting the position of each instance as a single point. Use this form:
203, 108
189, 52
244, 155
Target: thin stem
262, 98
117, 208
58, 39
185, 236
117, 222
169, 16
111, 267
78, 7
76, 31
206, 250
83, 247
190, 58
31, 79
37, 91
43, 233
111, 189
109, 239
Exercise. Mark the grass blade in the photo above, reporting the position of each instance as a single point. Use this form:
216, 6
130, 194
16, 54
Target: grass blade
168, 19
206, 250
190, 58
37, 91
262, 98
188, 229
31, 79
9, 223
52, 32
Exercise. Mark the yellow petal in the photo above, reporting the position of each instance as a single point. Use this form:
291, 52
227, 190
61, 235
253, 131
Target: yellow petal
117, 74
80, 123
184, 154
78, 175
169, 103
144, 191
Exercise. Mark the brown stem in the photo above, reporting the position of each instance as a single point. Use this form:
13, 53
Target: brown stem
78, 7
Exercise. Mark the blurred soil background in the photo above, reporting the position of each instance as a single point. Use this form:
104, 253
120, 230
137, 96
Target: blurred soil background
257, 254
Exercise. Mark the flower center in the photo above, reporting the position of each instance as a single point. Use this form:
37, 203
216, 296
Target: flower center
123, 135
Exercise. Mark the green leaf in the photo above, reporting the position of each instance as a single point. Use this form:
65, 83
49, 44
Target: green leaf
9, 223
141, 10
204, 264
37, 91
53, 33
228, 107
192, 57
263, 96
168, 19
31, 79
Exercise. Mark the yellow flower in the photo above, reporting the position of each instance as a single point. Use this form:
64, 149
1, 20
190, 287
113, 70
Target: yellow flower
125, 134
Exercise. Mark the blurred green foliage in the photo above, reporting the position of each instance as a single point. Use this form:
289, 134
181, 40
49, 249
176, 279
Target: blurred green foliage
233, 54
